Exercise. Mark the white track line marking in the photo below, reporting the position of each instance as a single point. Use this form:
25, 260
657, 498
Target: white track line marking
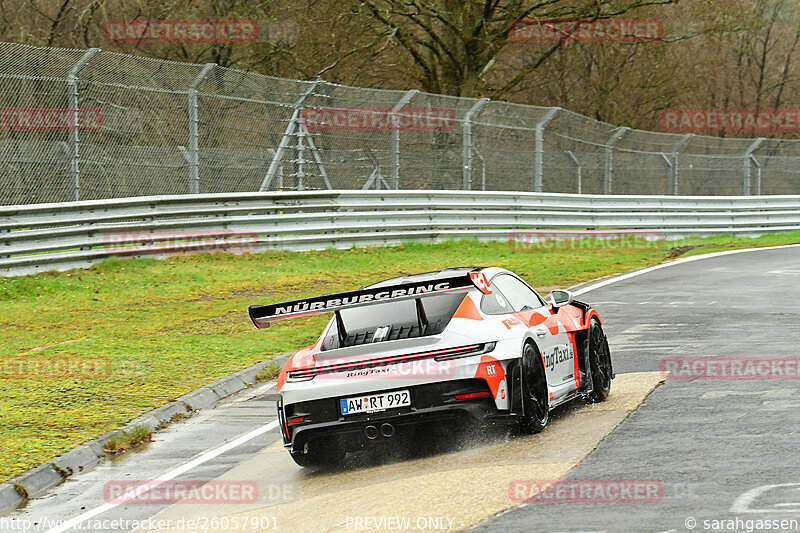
635, 273
172, 474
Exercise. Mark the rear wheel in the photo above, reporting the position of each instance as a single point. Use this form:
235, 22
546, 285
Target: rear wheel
535, 395
325, 452
600, 361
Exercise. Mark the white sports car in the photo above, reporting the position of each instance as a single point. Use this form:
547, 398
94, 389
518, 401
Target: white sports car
470, 344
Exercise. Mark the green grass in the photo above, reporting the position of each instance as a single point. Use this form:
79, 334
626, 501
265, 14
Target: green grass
140, 332
269, 372
128, 440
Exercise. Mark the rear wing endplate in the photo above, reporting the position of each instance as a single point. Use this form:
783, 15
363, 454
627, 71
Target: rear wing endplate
263, 315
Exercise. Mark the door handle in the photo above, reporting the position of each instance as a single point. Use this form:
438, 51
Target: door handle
540, 332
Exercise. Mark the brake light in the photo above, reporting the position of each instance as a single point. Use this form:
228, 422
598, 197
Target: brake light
471, 395
296, 420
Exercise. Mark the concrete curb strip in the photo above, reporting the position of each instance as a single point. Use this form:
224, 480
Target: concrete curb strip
39, 478
78, 458
88, 454
226, 387
250, 375
169, 410
9, 497
146, 420
200, 399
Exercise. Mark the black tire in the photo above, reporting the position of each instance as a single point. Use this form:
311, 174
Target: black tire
320, 453
535, 394
600, 362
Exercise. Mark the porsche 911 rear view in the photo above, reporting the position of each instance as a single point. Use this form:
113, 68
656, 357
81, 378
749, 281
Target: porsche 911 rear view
473, 345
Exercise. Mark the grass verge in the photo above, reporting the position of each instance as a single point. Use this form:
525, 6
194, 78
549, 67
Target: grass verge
269, 372
128, 440
86, 351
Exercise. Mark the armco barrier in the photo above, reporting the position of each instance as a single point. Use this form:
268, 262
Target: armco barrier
61, 236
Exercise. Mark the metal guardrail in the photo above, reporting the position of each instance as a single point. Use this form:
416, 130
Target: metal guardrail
60, 236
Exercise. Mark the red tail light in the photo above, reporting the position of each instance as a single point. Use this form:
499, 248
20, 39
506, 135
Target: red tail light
296, 420
471, 395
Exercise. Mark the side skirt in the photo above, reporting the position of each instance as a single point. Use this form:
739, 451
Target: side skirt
564, 399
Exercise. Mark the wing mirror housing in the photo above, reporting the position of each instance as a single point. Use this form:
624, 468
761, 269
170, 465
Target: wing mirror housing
560, 298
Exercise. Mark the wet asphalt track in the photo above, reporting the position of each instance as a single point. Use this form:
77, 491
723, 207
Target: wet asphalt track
706, 442
709, 442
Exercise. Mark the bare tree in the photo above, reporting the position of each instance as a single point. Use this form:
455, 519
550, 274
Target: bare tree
455, 43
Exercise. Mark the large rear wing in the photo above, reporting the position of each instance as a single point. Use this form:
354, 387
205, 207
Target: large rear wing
263, 315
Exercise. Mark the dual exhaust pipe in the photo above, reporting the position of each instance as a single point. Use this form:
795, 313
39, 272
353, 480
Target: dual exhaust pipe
372, 432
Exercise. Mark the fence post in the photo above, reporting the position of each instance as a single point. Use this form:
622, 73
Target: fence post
377, 176
668, 161
747, 155
483, 168
299, 184
194, 143
672, 188
609, 174
539, 149
467, 149
287, 135
758, 174
578, 171
317, 158
74, 137
396, 136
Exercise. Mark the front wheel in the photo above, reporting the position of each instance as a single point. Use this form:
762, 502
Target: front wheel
600, 362
535, 394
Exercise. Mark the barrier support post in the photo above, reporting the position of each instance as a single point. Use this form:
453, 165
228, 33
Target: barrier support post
396, 136
74, 137
748, 157
539, 149
609, 171
287, 135
467, 147
194, 131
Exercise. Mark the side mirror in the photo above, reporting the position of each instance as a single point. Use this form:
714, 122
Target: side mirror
560, 298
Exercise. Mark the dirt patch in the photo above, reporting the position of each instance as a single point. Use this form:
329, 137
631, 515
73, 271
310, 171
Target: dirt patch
678, 251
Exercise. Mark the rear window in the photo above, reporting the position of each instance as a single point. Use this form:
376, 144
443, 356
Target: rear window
393, 320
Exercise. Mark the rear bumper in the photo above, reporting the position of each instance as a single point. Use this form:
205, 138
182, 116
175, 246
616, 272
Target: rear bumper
430, 403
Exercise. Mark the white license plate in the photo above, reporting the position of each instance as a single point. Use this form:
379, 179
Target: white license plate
371, 403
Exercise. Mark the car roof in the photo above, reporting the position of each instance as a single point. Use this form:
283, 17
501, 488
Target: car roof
426, 276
